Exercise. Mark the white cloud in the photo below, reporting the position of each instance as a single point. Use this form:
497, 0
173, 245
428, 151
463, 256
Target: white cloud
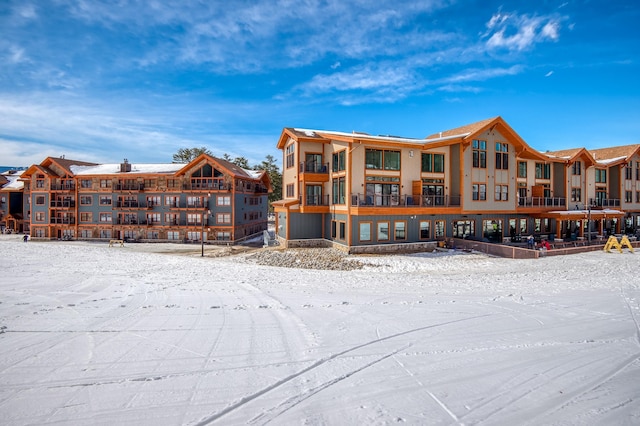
520, 32
549, 74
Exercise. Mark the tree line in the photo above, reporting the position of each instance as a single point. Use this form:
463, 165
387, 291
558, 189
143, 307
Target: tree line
185, 155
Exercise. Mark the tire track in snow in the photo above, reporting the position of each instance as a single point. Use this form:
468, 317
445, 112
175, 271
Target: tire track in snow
247, 399
435, 398
301, 397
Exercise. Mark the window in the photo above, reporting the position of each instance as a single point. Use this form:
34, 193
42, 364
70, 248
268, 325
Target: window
105, 233
86, 200
502, 156
601, 176
492, 229
173, 235
153, 218
479, 151
522, 169
105, 200
193, 235
365, 231
223, 218
543, 171
223, 236
638, 197
339, 161
40, 200
432, 163
171, 201
637, 170
502, 193
153, 235
290, 155
479, 191
153, 201
149, 183
171, 219
576, 194
105, 217
378, 159
628, 171
343, 230
290, 190
85, 217
314, 195
223, 200
339, 190
194, 219
383, 231
40, 183
425, 229
439, 228
576, 168
541, 225
628, 197
39, 216
399, 230
105, 183
85, 183
464, 228
173, 183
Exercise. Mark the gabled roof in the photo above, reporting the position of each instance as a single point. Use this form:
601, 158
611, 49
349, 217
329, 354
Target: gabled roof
467, 133
465, 130
615, 154
572, 155
463, 134
229, 167
63, 163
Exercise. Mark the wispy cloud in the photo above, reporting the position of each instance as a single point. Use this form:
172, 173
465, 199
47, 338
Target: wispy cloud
520, 32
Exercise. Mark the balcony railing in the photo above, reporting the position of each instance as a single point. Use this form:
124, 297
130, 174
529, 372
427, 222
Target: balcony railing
129, 187
201, 205
209, 184
63, 204
426, 201
605, 202
63, 186
130, 204
62, 221
314, 167
315, 200
542, 202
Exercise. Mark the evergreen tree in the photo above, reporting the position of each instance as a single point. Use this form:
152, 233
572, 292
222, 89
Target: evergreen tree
184, 155
271, 167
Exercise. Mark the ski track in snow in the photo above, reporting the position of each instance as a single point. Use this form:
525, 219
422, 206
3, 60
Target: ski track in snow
99, 335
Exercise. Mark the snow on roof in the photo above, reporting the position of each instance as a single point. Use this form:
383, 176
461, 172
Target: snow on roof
319, 133
610, 160
108, 169
255, 174
14, 183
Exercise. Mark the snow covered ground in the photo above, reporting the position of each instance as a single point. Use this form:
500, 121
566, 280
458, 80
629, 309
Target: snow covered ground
157, 335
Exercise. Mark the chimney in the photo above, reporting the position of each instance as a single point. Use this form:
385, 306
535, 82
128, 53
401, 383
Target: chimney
125, 166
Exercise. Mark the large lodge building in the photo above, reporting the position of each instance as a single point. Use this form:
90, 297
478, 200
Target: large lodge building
208, 199
481, 181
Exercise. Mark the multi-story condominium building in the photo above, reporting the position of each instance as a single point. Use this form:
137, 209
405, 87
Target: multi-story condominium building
208, 199
11, 213
480, 181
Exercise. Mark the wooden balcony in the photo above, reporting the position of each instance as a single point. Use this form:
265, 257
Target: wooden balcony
314, 172
405, 201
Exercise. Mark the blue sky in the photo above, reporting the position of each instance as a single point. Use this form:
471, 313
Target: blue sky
106, 80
